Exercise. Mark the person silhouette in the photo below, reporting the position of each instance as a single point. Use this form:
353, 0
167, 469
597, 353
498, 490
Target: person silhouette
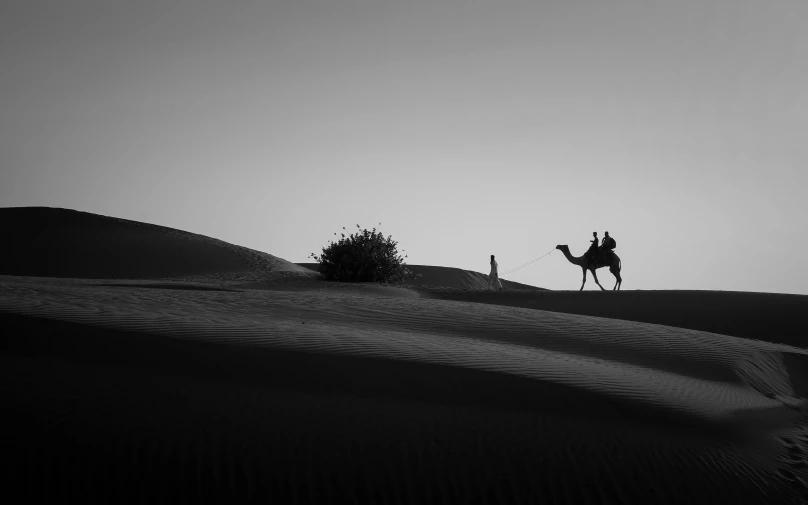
608, 242
493, 277
593, 248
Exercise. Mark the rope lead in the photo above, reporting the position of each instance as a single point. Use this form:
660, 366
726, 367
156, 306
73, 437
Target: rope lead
525, 265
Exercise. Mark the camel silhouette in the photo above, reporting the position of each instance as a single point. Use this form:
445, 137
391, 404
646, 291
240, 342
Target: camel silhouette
611, 260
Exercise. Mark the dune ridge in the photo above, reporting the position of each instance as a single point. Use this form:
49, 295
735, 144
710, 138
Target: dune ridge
371, 321
53, 242
448, 277
772, 317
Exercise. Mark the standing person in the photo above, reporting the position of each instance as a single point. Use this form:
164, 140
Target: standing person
493, 277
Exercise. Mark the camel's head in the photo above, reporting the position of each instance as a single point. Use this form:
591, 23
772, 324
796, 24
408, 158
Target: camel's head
562, 247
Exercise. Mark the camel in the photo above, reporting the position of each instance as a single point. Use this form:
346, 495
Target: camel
612, 261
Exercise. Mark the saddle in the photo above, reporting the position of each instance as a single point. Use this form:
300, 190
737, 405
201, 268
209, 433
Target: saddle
601, 255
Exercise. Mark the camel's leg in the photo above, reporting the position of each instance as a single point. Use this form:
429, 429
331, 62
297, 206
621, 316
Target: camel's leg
616, 279
595, 275
582, 284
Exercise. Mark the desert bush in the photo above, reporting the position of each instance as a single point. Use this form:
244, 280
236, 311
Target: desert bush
363, 256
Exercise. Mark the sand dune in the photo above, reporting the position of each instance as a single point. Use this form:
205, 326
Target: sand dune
448, 277
317, 394
50, 242
214, 387
772, 317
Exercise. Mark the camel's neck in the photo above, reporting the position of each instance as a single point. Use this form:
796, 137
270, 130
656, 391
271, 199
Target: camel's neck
572, 259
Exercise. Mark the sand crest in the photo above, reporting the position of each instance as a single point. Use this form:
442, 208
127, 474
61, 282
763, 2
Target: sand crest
51, 242
433, 277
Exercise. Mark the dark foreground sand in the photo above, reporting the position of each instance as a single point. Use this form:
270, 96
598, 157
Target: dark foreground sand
268, 385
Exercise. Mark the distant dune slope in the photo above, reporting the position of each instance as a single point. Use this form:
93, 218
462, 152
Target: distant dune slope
51, 242
772, 317
448, 277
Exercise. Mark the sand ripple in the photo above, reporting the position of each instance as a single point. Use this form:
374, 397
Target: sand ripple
313, 396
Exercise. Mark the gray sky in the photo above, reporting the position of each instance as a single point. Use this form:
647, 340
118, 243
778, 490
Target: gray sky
467, 128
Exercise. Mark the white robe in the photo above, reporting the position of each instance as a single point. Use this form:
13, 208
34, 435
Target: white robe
493, 277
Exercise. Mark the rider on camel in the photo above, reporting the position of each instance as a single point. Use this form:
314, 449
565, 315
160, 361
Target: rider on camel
608, 243
592, 253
